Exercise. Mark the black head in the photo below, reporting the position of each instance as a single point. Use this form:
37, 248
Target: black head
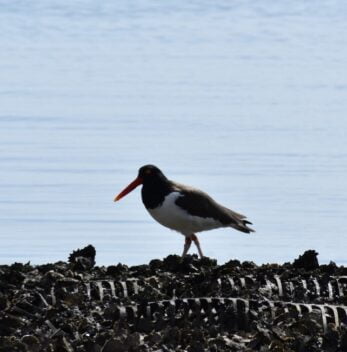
155, 186
151, 174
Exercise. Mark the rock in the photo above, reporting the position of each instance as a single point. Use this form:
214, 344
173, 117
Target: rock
307, 261
51, 277
4, 303
63, 345
116, 270
90, 346
172, 263
9, 323
155, 265
114, 345
11, 344
331, 340
32, 343
173, 304
83, 259
343, 341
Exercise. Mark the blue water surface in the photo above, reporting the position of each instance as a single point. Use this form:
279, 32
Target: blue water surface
246, 100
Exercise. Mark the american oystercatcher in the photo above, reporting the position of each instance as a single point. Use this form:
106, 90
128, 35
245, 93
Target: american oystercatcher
182, 208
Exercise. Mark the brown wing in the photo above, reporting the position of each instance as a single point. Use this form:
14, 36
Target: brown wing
201, 204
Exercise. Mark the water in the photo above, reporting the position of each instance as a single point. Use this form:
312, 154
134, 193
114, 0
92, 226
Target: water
244, 99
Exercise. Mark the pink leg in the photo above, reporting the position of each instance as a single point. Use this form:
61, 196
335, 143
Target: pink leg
197, 243
186, 247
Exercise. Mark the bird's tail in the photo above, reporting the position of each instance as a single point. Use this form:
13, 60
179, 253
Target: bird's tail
242, 226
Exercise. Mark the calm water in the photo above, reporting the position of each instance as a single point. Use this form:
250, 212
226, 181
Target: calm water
244, 99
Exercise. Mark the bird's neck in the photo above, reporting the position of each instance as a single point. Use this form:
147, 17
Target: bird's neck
154, 193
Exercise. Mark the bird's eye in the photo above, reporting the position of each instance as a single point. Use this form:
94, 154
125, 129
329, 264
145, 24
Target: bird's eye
148, 172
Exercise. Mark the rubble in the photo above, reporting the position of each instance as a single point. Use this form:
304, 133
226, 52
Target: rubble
173, 304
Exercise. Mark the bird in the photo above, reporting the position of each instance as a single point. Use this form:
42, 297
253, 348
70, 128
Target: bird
182, 208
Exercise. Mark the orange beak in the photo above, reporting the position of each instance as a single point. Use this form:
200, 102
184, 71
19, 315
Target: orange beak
129, 188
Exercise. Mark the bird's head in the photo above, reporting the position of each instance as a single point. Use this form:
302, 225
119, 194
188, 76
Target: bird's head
148, 174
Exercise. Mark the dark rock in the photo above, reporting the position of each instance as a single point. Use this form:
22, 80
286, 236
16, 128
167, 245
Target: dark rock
307, 261
51, 277
9, 323
206, 262
90, 346
343, 341
116, 270
83, 259
155, 265
174, 304
11, 344
63, 345
114, 345
13, 276
141, 270
331, 341
330, 269
4, 303
32, 342
172, 263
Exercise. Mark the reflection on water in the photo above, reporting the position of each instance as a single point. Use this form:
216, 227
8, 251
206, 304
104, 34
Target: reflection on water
246, 101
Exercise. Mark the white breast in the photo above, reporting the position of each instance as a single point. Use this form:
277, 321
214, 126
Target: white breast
174, 217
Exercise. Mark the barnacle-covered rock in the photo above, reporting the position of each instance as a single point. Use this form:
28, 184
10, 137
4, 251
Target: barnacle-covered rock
174, 304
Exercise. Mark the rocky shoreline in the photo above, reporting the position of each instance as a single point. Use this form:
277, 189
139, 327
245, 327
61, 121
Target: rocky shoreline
173, 304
